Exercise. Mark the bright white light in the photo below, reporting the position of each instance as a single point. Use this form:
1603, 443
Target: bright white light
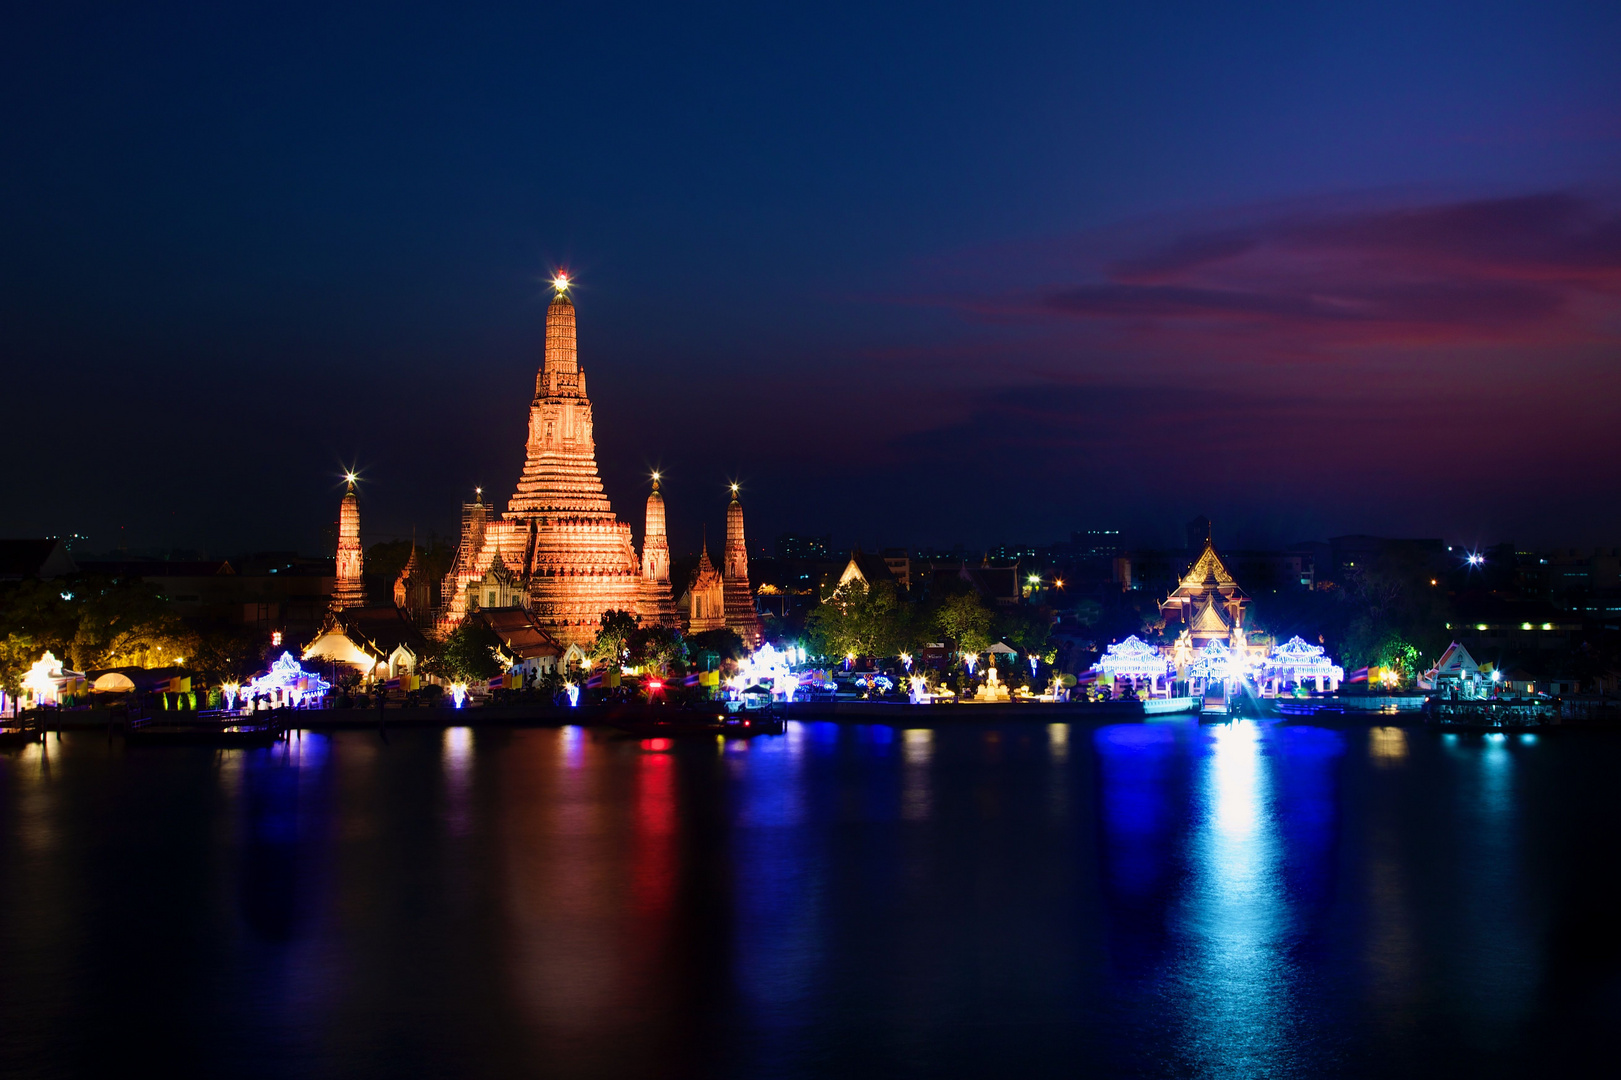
42, 676
560, 282
458, 693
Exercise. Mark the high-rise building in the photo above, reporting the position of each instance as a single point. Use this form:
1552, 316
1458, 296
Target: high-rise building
349, 590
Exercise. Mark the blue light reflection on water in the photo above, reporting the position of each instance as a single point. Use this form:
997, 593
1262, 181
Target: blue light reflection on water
969, 899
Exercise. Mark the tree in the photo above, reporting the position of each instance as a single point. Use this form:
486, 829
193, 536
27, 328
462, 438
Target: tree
1028, 629
1395, 610
126, 622
963, 619
867, 620
659, 648
613, 636
17, 654
723, 644
468, 654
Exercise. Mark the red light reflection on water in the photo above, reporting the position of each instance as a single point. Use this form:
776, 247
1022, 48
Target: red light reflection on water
657, 746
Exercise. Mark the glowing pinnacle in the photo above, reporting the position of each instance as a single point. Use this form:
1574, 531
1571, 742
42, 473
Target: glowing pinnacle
560, 282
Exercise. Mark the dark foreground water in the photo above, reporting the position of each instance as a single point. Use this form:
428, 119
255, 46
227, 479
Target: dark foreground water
1013, 900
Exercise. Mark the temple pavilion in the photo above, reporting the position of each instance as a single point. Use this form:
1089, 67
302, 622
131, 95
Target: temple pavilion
1207, 601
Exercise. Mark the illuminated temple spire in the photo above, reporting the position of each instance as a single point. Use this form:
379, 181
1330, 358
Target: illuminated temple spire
740, 614
577, 557
708, 595
348, 590
658, 606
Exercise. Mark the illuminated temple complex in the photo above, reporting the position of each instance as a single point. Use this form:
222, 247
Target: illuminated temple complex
558, 549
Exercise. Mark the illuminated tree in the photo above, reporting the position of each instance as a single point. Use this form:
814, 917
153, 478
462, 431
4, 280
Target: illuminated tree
468, 654
17, 653
659, 648
963, 619
860, 619
613, 636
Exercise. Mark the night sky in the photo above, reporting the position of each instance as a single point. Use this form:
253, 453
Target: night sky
912, 274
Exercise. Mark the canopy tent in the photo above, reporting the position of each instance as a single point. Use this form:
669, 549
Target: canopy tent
1298, 661
1133, 659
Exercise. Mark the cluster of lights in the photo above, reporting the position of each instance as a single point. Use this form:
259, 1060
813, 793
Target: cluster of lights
767, 666
1297, 660
1132, 658
287, 679
42, 677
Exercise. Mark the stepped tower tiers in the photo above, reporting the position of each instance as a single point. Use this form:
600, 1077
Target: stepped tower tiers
349, 591
658, 606
708, 596
559, 543
740, 614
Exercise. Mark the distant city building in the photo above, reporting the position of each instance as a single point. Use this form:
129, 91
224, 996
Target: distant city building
795, 546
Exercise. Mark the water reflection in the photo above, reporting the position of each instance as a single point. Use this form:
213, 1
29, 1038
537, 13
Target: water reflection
1149, 899
457, 754
919, 751
1387, 745
1236, 916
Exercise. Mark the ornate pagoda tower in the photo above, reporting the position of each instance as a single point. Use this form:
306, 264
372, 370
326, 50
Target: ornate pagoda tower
741, 617
658, 606
708, 596
558, 546
349, 590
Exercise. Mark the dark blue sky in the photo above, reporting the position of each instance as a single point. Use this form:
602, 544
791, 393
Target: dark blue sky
914, 274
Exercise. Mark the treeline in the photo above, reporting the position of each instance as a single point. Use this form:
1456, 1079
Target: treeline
877, 620
91, 622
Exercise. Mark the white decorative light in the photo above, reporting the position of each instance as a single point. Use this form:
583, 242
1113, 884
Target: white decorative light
1132, 658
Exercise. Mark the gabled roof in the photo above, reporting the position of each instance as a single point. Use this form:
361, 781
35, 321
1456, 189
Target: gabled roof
1207, 565
1457, 661
991, 582
1211, 617
380, 630
870, 568
520, 632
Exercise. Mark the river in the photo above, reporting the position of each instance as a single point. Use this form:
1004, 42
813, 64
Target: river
1303, 898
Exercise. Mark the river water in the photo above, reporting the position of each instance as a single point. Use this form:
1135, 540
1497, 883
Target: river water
1245, 899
